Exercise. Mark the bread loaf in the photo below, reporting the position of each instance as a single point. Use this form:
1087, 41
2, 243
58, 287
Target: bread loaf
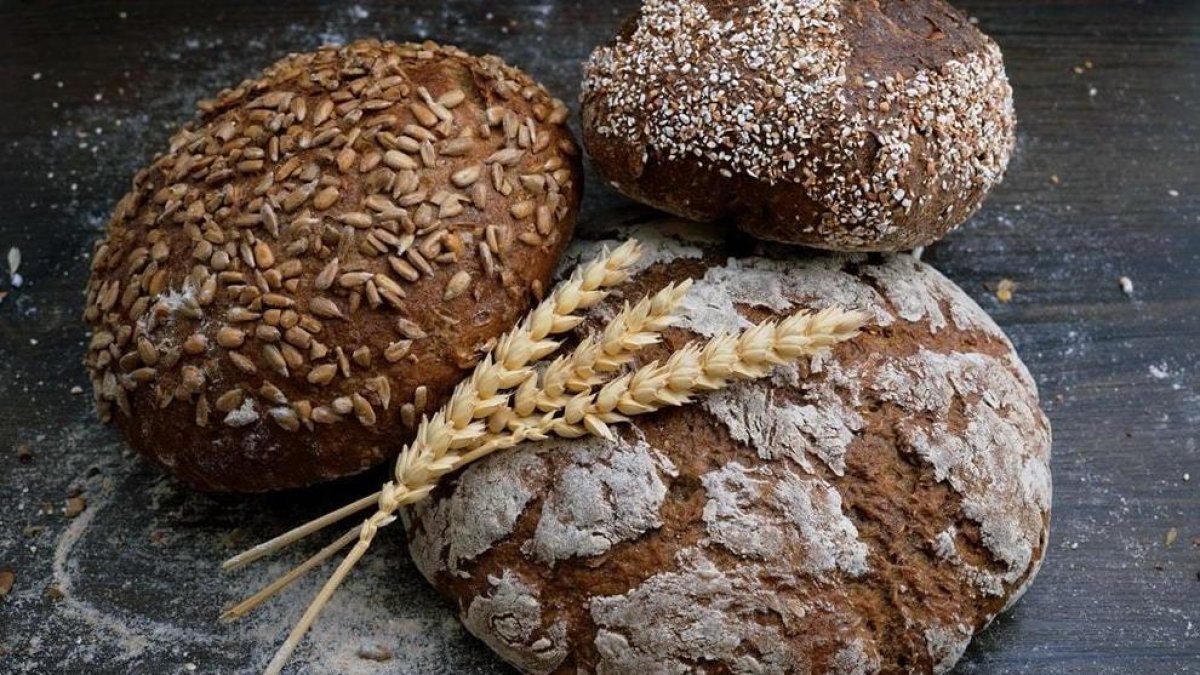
320, 257
867, 512
847, 125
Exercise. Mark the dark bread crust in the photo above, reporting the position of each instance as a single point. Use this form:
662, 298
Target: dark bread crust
841, 191
431, 267
926, 546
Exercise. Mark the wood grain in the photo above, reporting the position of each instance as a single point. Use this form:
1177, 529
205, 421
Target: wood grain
1105, 183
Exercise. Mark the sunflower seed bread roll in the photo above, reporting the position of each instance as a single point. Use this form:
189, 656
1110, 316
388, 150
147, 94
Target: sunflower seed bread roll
318, 259
848, 125
867, 512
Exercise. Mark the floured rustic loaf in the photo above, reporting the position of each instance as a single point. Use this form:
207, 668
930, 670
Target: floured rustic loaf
321, 257
851, 125
867, 513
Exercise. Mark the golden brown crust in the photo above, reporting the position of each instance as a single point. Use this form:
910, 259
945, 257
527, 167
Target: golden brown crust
321, 256
855, 125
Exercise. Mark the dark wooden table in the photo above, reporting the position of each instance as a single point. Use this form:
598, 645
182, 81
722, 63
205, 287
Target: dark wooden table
1105, 183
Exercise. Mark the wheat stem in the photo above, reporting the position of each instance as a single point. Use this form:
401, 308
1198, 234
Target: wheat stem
310, 615
296, 534
270, 590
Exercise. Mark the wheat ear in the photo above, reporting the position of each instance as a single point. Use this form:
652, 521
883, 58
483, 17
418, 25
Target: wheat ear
694, 369
587, 285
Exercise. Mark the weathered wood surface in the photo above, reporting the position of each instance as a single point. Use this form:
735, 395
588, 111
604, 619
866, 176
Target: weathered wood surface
1105, 183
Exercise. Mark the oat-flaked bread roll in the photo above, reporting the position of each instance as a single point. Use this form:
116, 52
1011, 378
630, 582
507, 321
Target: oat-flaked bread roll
849, 125
321, 257
866, 513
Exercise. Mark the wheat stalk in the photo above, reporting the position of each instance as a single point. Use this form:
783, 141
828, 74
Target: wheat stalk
506, 401
558, 313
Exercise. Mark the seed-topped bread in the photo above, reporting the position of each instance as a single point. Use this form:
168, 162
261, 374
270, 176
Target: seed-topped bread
865, 512
319, 258
841, 124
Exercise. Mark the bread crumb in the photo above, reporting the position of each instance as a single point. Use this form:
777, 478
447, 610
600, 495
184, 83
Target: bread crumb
377, 653
1126, 285
1004, 290
24, 454
1172, 535
7, 578
1054, 179
76, 390
74, 507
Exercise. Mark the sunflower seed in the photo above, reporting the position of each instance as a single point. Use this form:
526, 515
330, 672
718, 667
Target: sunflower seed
230, 338
322, 374
403, 269
291, 356
266, 333
285, 418
144, 374
505, 157
324, 307
230, 400
485, 255
353, 279
363, 410
298, 337
325, 415
147, 351
202, 412
457, 285
263, 255
457, 147
342, 405
356, 219
272, 393
195, 344
343, 363
398, 160
369, 161
428, 154
241, 315
274, 359
277, 300
326, 198
545, 220
327, 275
423, 115
362, 356
410, 329
397, 350
452, 98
